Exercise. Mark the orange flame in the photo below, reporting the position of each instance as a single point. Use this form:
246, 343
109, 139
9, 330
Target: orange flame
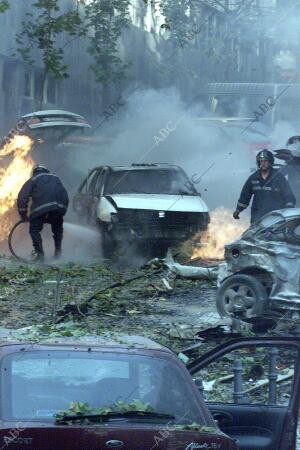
13, 177
221, 230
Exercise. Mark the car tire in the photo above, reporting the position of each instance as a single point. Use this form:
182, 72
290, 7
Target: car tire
243, 297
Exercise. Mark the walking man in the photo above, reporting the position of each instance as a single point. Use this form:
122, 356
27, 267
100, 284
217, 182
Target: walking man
269, 188
49, 203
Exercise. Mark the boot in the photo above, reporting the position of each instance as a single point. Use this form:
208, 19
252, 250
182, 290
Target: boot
37, 257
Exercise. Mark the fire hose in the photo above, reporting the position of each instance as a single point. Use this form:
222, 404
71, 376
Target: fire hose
9, 239
12, 251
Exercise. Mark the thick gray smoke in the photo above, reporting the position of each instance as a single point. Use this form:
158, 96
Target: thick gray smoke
157, 126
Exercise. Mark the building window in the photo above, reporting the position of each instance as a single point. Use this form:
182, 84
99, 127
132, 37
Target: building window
28, 84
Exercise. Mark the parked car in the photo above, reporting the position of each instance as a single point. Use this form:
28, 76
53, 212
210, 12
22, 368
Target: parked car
260, 276
151, 204
131, 393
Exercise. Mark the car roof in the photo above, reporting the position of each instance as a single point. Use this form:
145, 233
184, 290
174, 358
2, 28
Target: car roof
107, 341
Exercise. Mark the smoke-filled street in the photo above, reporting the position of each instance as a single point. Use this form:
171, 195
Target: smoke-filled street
150, 224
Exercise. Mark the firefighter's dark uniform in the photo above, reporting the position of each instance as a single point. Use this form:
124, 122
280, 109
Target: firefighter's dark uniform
49, 203
268, 195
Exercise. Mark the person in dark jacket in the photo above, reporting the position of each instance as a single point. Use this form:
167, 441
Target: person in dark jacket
49, 203
268, 187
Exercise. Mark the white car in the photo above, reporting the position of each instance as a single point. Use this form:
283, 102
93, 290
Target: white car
152, 204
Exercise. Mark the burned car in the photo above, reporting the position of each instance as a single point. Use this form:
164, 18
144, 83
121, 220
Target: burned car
261, 274
129, 392
51, 126
151, 204
50, 130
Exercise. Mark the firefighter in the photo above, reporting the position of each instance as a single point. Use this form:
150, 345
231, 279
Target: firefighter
269, 188
49, 203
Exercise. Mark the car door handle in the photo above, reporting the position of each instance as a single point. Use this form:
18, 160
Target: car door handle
223, 419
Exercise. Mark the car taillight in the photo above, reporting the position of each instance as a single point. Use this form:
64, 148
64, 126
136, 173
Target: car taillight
33, 120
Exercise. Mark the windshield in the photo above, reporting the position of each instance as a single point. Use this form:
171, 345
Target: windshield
40, 384
163, 181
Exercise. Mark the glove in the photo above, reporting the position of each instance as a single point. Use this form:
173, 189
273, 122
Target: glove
236, 214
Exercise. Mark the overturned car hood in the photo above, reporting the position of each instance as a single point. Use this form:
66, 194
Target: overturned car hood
160, 202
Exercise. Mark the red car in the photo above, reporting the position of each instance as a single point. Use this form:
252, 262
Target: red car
134, 394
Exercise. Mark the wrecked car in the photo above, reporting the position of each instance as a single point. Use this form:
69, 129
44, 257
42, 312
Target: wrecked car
48, 126
148, 204
130, 392
50, 131
260, 276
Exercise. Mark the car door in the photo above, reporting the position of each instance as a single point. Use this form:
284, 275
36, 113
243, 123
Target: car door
84, 200
95, 190
252, 388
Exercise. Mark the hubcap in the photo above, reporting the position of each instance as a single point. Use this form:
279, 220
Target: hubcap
239, 298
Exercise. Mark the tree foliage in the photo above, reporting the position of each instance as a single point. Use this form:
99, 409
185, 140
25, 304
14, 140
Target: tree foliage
40, 31
4, 6
105, 21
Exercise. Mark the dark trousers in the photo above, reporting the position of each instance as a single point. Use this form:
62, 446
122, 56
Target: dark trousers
55, 218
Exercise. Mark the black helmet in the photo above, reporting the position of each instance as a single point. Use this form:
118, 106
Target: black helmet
39, 169
264, 154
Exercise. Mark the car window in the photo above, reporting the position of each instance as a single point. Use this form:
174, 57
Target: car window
99, 183
92, 182
87, 186
40, 384
164, 181
252, 375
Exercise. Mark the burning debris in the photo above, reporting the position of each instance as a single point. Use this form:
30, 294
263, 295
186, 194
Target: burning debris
221, 230
13, 177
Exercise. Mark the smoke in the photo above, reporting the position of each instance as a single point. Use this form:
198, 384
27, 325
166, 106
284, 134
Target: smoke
80, 243
157, 126
282, 131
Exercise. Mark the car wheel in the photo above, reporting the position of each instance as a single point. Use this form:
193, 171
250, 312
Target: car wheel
241, 296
